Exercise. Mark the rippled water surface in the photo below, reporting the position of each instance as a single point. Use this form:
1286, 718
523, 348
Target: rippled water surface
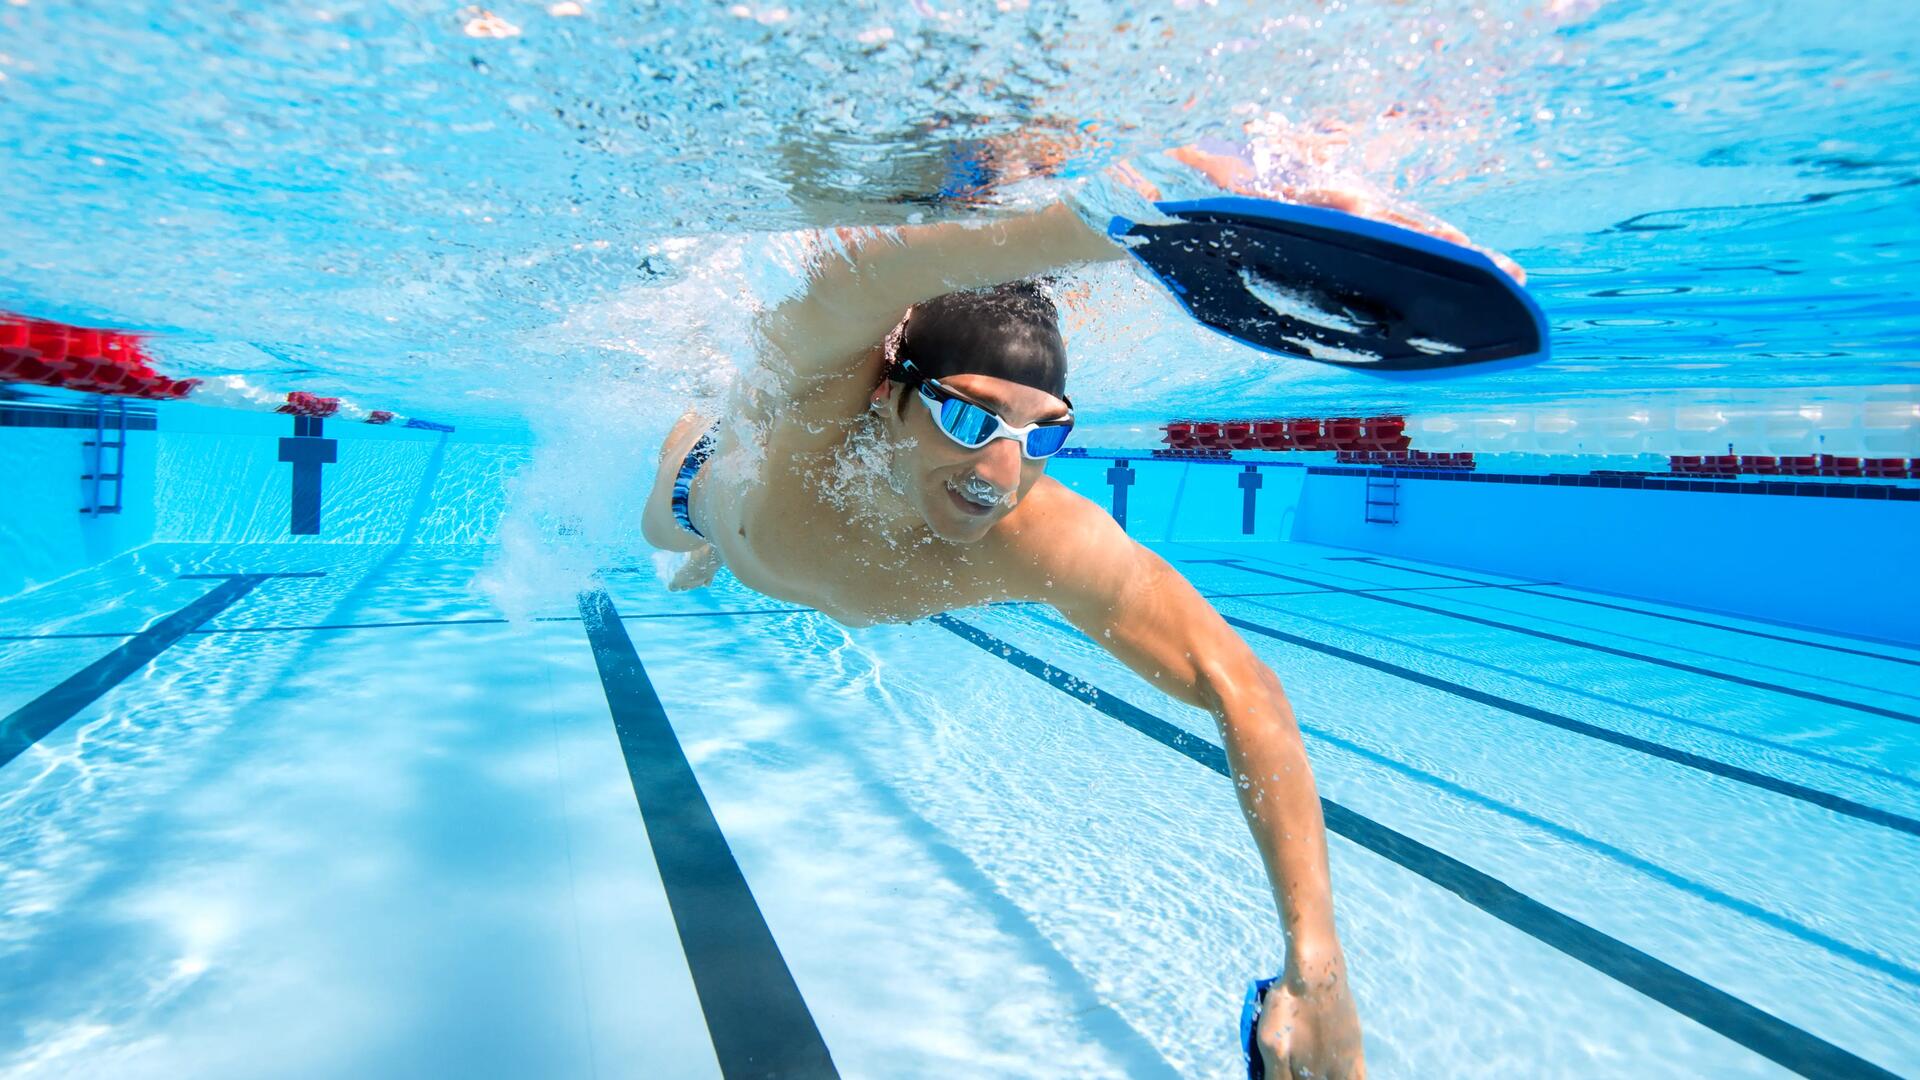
476, 214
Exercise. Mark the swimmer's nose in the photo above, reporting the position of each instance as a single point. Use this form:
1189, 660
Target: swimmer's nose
999, 465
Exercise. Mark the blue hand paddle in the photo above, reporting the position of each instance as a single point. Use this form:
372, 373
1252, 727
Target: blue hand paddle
1322, 285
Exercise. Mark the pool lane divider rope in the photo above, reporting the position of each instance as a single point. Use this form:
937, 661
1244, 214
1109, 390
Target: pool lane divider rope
1723, 676
759, 1023
1763, 1033
38, 718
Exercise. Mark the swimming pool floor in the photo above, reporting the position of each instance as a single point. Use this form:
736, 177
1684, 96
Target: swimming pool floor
337, 815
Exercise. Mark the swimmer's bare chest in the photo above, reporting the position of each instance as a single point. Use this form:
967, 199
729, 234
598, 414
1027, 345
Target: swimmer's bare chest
788, 534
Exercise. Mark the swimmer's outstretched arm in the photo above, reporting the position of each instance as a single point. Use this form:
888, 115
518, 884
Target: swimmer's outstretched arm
1127, 599
865, 279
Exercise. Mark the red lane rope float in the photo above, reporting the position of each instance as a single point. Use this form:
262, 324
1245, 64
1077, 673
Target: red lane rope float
113, 362
301, 403
1374, 433
82, 358
1418, 459
1815, 465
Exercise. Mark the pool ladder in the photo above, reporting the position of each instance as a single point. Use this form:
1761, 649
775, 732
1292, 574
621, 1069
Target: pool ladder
92, 483
1383, 500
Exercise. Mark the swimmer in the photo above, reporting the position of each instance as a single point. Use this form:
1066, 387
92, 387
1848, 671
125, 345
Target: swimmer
888, 462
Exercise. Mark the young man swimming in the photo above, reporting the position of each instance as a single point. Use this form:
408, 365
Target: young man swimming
884, 485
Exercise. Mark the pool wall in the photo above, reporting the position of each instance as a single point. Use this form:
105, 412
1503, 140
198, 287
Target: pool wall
1823, 561
1841, 564
216, 475
1840, 561
387, 486
43, 534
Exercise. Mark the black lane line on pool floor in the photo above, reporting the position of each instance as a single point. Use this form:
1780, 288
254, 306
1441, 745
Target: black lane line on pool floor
1723, 676
759, 1023
1703, 890
1763, 1033
38, 718
1668, 616
1814, 796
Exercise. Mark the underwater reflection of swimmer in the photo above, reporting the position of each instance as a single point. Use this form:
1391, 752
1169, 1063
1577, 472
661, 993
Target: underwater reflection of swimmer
883, 469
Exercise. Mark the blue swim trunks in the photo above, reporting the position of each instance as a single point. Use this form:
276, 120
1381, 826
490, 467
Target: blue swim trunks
683, 480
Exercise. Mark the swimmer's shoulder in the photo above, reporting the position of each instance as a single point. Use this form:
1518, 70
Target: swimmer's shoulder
1055, 538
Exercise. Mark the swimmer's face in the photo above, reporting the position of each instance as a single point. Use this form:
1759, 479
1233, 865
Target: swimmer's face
936, 473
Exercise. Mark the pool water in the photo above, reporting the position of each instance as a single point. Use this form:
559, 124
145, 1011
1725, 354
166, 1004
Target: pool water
455, 787
355, 822
559, 207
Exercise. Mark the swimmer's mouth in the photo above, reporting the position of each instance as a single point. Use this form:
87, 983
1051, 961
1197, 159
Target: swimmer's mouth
971, 502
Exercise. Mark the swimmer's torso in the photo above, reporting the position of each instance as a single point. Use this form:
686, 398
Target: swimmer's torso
790, 525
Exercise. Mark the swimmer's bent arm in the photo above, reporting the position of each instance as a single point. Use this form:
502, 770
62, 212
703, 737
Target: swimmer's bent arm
863, 280
1145, 613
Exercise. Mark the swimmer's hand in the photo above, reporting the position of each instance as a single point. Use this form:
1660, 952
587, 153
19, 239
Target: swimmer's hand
1238, 177
697, 571
1309, 1026
1363, 205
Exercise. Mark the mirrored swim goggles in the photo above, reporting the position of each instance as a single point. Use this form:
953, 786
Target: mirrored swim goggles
973, 425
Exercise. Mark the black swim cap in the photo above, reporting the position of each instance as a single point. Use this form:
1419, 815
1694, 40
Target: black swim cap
1010, 332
